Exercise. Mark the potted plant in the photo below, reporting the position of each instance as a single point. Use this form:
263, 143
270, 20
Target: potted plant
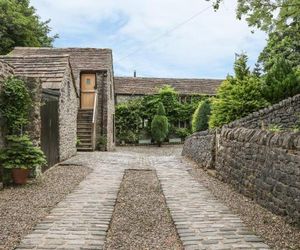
21, 156
101, 143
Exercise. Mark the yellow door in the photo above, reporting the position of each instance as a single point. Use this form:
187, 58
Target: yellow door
88, 82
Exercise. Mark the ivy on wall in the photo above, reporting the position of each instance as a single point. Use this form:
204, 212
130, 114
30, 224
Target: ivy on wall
133, 118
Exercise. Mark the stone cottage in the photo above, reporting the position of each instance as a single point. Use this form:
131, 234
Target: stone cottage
81, 80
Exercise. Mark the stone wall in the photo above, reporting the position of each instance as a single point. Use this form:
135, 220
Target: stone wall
106, 108
5, 71
200, 147
68, 109
286, 113
264, 166
260, 164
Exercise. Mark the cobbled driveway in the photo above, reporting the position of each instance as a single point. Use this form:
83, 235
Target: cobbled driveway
82, 220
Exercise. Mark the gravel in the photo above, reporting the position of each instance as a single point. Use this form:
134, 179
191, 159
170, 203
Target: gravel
273, 229
21, 208
141, 219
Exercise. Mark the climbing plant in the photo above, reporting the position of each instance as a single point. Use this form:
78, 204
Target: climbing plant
15, 105
133, 118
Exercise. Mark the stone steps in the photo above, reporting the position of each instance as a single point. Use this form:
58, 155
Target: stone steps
84, 130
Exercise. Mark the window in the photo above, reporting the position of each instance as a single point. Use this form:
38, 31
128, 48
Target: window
88, 81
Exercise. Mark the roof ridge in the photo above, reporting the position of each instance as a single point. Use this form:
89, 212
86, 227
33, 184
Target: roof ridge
34, 56
168, 78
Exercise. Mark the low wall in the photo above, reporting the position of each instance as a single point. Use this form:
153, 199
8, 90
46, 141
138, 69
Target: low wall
264, 166
285, 113
200, 147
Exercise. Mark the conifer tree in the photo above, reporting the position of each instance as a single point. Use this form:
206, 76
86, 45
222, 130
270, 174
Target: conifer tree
160, 125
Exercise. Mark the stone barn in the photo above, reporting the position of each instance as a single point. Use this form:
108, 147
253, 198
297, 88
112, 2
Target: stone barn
85, 85
54, 128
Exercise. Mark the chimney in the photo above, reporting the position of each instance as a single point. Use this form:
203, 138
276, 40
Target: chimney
134, 73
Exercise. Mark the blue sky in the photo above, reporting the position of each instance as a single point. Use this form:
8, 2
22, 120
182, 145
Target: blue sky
137, 32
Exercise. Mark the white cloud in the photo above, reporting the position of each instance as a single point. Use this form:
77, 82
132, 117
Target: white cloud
205, 46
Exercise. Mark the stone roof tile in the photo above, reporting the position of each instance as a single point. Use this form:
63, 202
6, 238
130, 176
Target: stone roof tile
148, 86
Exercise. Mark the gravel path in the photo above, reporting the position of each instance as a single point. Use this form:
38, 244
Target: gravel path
272, 228
141, 219
21, 208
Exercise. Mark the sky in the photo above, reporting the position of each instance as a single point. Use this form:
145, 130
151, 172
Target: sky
157, 38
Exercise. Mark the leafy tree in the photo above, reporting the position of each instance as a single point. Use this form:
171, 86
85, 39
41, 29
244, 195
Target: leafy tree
15, 105
237, 96
21, 26
281, 81
283, 42
262, 14
201, 116
160, 125
281, 20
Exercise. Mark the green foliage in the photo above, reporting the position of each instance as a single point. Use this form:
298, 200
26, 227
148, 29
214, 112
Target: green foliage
129, 115
201, 116
128, 120
241, 69
182, 132
21, 26
78, 142
15, 104
21, 153
101, 143
263, 14
236, 98
281, 81
275, 128
159, 125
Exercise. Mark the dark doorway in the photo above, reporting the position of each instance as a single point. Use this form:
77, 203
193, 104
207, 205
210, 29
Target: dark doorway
50, 127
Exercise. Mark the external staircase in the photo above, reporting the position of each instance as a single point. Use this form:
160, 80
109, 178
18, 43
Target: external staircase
85, 130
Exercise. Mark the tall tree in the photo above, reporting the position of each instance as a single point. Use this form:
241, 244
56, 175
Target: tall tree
237, 96
21, 26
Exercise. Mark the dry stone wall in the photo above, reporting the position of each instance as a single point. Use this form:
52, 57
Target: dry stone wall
261, 164
264, 166
200, 147
286, 113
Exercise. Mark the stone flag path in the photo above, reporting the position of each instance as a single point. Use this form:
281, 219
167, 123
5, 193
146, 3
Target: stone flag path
82, 220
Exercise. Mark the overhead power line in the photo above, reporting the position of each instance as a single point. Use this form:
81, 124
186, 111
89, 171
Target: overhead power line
167, 32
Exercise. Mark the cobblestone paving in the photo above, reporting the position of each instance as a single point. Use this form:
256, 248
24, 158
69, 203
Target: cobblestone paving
82, 219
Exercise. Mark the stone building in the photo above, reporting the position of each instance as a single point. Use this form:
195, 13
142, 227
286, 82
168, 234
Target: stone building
82, 80
132, 87
54, 73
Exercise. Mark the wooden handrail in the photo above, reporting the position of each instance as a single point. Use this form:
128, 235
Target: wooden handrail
94, 121
95, 107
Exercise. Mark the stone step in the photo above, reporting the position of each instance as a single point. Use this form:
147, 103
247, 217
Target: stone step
82, 149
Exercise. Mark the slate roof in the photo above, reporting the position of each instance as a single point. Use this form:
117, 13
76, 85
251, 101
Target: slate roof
50, 69
148, 86
80, 58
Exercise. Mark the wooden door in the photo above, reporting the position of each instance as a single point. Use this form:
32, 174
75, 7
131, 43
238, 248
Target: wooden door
88, 83
50, 128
